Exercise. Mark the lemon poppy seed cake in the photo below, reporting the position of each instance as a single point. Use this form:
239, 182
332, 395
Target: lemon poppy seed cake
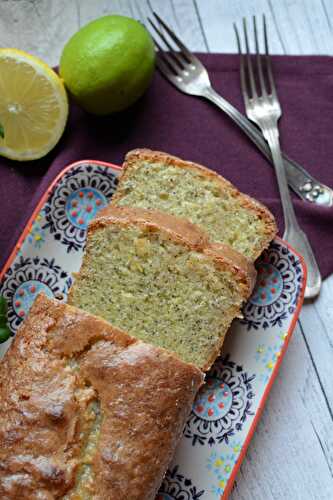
88, 412
155, 180
157, 277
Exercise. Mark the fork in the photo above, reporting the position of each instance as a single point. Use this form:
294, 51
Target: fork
263, 108
186, 72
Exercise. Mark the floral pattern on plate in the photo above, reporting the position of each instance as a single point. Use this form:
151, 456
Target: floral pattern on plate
220, 465
222, 405
277, 289
26, 279
226, 408
177, 487
75, 201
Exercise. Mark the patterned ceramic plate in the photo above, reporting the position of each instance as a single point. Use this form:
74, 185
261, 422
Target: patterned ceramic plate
227, 408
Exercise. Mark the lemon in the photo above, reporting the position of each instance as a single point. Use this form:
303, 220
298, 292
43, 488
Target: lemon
33, 106
108, 64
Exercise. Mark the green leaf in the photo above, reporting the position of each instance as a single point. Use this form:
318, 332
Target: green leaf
2, 131
4, 329
3, 309
4, 334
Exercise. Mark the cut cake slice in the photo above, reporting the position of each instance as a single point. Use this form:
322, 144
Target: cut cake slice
88, 412
157, 277
156, 180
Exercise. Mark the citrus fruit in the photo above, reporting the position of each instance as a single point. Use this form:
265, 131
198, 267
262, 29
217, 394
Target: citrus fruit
33, 106
107, 65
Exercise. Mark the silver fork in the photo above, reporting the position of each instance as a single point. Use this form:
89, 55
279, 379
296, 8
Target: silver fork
263, 108
186, 72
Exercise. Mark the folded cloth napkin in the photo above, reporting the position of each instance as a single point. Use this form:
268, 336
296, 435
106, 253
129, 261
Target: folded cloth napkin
194, 129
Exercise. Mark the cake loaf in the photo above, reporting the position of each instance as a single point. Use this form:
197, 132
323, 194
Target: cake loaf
157, 277
87, 412
155, 180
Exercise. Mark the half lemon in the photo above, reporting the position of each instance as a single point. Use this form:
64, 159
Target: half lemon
33, 106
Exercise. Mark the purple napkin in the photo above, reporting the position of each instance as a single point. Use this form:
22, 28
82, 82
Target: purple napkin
192, 128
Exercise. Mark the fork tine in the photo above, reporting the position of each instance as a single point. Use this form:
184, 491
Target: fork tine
175, 55
242, 71
164, 69
268, 59
184, 50
258, 57
165, 56
249, 62
158, 48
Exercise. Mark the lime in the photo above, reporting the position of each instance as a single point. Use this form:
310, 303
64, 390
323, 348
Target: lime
108, 64
33, 106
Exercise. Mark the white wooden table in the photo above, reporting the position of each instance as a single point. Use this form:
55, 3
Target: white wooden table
291, 454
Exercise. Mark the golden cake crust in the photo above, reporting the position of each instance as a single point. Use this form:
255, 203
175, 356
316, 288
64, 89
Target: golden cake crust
62, 361
183, 231
132, 157
178, 228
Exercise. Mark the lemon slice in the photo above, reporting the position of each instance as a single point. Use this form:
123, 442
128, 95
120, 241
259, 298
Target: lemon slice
33, 106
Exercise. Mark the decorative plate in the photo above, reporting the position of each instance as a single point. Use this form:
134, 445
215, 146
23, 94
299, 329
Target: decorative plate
228, 406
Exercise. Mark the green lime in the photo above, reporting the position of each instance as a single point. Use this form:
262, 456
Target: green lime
108, 64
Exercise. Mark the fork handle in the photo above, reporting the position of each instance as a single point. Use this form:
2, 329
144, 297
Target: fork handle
302, 183
293, 233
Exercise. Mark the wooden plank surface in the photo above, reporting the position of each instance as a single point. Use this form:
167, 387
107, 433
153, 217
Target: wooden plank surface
40, 27
291, 454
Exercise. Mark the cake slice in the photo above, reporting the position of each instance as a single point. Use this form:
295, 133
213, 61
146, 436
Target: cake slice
158, 277
88, 412
155, 180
